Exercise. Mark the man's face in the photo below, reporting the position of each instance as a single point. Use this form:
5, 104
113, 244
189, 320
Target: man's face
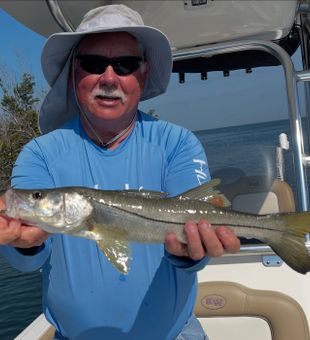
109, 96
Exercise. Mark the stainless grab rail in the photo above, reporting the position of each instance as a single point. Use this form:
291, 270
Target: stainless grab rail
291, 79
250, 253
261, 249
58, 16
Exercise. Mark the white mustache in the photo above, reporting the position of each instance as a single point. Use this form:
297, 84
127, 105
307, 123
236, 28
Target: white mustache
109, 93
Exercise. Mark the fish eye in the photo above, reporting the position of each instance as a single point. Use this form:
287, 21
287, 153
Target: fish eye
37, 195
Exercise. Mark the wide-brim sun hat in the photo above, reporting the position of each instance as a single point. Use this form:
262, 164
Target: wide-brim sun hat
58, 106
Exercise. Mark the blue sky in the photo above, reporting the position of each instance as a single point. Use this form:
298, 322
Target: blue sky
238, 99
20, 48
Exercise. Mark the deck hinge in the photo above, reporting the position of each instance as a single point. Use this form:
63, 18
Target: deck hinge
272, 261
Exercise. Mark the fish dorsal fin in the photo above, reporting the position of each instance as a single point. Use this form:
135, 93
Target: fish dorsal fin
207, 193
145, 193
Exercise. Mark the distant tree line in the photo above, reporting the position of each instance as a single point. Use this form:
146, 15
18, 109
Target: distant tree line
18, 121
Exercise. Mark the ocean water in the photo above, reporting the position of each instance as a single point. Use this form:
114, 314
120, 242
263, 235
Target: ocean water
248, 149
20, 300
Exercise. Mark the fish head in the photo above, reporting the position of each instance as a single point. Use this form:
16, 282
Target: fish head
53, 210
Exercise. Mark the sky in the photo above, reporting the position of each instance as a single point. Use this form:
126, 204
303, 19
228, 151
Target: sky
219, 101
20, 48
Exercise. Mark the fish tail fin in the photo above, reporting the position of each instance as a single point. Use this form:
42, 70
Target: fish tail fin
291, 245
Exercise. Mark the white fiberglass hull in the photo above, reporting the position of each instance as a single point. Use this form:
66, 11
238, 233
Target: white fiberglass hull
210, 22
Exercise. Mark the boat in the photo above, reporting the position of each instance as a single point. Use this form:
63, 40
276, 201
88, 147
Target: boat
252, 294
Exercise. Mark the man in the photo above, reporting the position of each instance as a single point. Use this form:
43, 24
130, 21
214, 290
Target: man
95, 136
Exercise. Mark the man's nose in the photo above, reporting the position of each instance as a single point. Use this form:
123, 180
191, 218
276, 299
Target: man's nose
109, 77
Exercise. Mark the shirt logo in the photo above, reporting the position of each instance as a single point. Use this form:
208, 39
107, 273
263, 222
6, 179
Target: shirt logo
200, 172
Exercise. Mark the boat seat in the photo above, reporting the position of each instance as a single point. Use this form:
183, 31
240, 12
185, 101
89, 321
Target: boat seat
286, 318
259, 195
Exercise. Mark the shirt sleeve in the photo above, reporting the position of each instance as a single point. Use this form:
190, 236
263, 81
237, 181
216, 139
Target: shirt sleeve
26, 263
187, 168
29, 172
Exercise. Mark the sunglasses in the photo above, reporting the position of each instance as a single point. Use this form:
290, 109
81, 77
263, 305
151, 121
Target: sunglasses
97, 64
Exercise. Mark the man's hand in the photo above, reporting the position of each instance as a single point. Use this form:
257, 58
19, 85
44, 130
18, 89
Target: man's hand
14, 233
203, 240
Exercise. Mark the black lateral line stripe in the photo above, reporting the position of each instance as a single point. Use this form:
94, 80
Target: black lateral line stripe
177, 223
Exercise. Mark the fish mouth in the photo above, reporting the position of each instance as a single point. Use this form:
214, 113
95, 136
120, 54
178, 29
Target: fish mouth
18, 207
10, 205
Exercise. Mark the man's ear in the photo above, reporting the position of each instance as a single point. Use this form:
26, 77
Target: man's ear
145, 69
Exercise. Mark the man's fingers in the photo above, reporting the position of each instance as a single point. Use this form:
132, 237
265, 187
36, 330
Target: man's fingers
228, 239
210, 239
14, 233
203, 240
30, 237
9, 231
195, 247
173, 246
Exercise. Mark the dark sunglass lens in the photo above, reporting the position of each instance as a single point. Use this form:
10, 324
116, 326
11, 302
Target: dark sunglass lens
96, 64
93, 64
126, 65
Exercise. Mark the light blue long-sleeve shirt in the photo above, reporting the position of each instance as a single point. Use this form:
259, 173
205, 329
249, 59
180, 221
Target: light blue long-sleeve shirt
84, 296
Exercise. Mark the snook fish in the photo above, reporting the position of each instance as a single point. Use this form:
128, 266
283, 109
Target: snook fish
115, 218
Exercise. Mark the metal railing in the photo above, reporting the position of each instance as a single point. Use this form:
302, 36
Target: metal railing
59, 17
301, 160
291, 79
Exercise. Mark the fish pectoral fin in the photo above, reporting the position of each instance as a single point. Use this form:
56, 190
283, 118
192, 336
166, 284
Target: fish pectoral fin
118, 253
207, 193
